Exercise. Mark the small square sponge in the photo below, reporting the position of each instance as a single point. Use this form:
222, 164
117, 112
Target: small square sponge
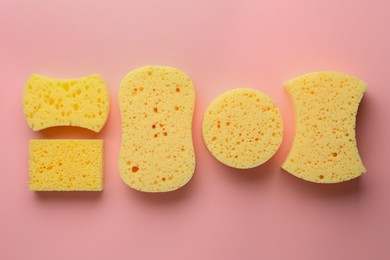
66, 165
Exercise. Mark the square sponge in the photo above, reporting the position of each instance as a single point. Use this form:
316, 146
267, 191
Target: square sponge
66, 165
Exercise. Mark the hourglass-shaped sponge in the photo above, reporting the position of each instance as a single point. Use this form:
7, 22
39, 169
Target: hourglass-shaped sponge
82, 102
324, 148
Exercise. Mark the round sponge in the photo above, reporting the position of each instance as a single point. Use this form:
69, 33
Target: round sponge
242, 128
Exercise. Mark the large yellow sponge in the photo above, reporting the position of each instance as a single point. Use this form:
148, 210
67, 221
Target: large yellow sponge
324, 148
156, 105
66, 165
242, 128
80, 102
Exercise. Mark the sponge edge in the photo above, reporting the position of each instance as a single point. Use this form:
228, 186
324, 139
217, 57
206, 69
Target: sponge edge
82, 102
324, 148
242, 128
157, 105
66, 165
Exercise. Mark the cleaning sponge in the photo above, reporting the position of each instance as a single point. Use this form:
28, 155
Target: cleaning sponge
156, 105
80, 102
324, 148
66, 165
242, 128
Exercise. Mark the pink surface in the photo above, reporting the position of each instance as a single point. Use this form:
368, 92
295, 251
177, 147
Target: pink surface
263, 213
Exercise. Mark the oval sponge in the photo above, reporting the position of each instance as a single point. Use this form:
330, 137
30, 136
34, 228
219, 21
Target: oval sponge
242, 128
324, 147
157, 105
82, 102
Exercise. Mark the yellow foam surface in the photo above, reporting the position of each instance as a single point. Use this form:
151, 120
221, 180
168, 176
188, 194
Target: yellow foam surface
156, 105
324, 148
80, 102
242, 128
66, 165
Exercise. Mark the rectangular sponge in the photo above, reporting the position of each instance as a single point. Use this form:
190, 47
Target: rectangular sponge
66, 165
157, 106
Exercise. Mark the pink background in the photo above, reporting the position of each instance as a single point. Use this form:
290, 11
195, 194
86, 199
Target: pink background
223, 213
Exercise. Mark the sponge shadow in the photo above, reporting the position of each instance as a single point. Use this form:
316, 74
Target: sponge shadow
365, 120
163, 198
261, 173
68, 195
352, 187
364, 112
63, 132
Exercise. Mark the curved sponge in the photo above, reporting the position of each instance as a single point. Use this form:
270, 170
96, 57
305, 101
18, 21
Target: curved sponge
242, 128
324, 148
80, 102
66, 165
157, 105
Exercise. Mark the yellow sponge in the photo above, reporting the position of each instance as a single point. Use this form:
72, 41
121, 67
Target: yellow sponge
156, 105
324, 148
242, 128
80, 102
66, 165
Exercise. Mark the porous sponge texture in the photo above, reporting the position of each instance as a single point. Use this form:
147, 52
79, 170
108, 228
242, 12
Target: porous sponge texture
157, 105
324, 148
66, 165
242, 128
52, 102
